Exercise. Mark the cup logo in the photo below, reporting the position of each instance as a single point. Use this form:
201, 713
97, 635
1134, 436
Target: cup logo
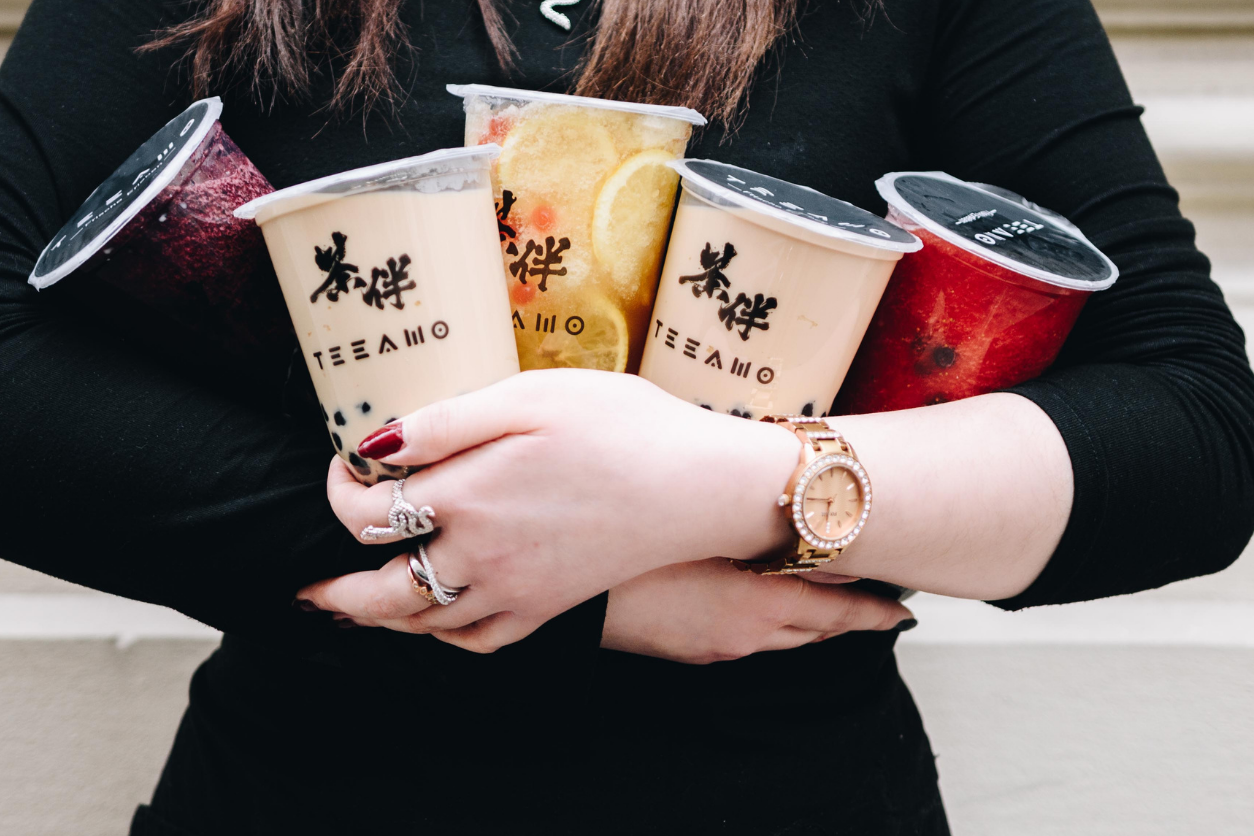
385, 285
711, 282
537, 260
743, 312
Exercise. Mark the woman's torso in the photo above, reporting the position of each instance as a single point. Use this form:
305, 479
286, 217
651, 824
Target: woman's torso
821, 739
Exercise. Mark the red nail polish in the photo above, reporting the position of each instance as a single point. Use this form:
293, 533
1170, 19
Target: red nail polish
382, 442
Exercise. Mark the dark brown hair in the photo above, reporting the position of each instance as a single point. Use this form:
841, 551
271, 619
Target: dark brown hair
698, 53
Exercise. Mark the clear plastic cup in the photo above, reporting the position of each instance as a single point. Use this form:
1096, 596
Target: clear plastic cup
392, 277
987, 303
160, 230
766, 292
584, 198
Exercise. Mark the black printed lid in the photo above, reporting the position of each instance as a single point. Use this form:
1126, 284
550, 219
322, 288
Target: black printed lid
126, 191
1001, 226
797, 205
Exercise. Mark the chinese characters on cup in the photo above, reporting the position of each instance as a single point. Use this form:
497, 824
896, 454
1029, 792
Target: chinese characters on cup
388, 283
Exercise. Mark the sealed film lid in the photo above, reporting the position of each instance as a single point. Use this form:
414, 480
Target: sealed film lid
125, 193
510, 94
1001, 226
437, 171
797, 205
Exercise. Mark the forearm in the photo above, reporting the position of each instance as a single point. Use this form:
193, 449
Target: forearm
969, 499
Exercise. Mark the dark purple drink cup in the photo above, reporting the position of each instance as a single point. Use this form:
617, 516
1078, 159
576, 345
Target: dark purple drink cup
161, 233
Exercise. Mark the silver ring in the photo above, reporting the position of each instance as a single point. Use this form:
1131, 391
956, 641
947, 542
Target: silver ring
422, 576
404, 520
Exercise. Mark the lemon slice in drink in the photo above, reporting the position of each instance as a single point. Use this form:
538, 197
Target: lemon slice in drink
631, 215
593, 337
557, 154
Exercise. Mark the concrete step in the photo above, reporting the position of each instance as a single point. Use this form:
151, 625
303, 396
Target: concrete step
1038, 740
1100, 741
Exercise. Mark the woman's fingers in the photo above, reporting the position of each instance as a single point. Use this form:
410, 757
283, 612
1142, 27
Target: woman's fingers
469, 608
359, 507
382, 595
786, 638
826, 608
347, 497
488, 634
448, 427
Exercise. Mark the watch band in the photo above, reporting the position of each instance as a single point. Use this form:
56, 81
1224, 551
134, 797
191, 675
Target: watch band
821, 441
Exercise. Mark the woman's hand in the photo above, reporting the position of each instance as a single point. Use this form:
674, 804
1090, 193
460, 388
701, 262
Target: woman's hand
710, 612
553, 486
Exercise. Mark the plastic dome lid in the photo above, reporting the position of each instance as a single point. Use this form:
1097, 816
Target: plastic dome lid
373, 178
1000, 226
125, 193
685, 114
800, 206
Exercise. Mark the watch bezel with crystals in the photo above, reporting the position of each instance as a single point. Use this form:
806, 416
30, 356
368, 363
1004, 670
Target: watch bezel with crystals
814, 468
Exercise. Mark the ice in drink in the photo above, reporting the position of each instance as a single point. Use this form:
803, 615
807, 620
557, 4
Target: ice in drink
766, 292
160, 231
392, 276
987, 303
584, 198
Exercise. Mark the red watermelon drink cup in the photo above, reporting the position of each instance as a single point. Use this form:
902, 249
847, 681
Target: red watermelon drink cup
160, 229
987, 303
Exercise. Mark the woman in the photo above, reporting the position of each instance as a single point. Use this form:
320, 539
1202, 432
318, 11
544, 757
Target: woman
186, 492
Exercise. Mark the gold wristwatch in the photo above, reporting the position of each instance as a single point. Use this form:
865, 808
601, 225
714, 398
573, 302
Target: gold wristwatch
828, 498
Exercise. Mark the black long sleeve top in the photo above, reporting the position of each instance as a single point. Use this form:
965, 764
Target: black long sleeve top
131, 472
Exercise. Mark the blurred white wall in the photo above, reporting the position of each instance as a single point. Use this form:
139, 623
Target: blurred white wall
1132, 717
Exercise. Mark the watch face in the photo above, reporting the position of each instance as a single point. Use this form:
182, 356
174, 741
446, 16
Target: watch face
833, 500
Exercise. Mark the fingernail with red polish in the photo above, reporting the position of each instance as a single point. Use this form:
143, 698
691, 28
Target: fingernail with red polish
382, 442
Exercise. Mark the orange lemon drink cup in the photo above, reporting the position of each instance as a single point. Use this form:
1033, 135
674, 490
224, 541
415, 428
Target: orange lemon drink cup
392, 276
584, 198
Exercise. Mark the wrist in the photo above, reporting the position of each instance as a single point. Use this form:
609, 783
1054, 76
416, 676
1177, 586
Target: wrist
751, 522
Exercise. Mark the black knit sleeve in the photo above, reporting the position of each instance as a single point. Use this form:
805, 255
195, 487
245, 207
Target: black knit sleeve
1153, 392
122, 471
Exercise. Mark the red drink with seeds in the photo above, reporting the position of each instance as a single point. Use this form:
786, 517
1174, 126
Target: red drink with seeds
987, 303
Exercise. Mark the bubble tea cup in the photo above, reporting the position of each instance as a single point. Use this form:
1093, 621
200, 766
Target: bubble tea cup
158, 236
392, 276
987, 303
766, 292
584, 199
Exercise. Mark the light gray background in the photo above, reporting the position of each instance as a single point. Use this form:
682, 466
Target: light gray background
1130, 717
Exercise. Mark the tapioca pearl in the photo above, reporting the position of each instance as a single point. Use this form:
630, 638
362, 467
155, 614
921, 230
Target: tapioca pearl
737, 413
364, 407
944, 356
339, 443
706, 406
325, 417
340, 420
359, 464
808, 410
391, 421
